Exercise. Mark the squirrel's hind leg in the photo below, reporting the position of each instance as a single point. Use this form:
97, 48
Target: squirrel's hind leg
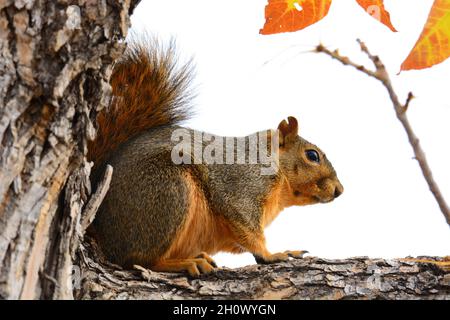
194, 267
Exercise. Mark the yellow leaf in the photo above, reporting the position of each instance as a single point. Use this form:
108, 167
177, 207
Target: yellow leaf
433, 45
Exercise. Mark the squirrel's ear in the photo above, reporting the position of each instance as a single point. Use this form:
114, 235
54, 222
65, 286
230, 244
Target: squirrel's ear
287, 130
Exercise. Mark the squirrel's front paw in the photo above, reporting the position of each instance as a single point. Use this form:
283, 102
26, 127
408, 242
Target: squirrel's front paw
296, 254
279, 257
273, 258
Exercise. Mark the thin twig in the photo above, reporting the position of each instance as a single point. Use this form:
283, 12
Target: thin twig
382, 75
95, 200
408, 100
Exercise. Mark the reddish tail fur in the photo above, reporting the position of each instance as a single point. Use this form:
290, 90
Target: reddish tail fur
149, 90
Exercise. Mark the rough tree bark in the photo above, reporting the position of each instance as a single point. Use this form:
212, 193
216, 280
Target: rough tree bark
55, 63
308, 278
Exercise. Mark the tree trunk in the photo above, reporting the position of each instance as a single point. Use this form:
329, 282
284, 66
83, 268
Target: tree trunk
55, 63
308, 278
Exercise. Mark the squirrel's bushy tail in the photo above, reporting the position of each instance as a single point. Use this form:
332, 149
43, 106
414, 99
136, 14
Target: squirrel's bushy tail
149, 89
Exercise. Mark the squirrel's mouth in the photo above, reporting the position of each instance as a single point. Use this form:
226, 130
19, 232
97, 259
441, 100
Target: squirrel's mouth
314, 198
323, 200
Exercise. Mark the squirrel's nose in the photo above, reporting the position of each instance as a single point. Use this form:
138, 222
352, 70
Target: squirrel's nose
338, 190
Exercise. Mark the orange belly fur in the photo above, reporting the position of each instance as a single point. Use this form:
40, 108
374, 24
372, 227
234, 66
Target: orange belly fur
202, 231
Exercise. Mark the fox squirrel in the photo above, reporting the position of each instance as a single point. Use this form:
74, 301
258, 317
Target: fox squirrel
171, 216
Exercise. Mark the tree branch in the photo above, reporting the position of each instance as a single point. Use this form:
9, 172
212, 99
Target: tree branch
382, 75
308, 278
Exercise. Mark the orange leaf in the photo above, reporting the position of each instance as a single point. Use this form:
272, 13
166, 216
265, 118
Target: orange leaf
433, 45
376, 9
293, 15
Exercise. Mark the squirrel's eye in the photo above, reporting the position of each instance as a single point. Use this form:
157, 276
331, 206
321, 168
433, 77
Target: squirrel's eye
312, 155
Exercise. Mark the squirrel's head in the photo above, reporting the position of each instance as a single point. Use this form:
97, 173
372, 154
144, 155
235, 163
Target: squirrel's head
309, 175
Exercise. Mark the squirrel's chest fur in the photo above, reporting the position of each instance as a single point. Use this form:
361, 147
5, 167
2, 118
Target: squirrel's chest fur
273, 205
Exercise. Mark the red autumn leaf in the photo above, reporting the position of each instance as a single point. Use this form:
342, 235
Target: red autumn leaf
433, 45
293, 15
376, 9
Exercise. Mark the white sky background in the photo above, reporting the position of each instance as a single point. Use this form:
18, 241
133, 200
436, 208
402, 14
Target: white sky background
249, 82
